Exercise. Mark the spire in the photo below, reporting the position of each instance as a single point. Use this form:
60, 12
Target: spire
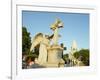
74, 46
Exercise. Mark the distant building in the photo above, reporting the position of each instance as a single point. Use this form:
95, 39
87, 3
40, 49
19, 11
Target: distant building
73, 60
73, 50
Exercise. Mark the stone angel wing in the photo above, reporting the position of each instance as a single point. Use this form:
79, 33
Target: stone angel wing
36, 40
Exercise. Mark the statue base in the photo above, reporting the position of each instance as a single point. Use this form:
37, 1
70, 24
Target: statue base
54, 58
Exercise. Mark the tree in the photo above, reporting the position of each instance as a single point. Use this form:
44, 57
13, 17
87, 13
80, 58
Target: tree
65, 57
35, 54
26, 41
83, 55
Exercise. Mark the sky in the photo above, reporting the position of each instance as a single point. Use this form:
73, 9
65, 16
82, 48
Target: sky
76, 26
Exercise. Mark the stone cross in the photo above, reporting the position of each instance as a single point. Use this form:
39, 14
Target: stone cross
55, 27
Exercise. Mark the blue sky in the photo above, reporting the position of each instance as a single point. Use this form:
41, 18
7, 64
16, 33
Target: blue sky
76, 26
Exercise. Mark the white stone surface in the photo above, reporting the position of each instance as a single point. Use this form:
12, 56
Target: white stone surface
74, 46
42, 59
55, 56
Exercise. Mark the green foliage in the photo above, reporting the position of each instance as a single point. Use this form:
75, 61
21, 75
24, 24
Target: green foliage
76, 55
83, 55
36, 50
33, 54
26, 41
65, 57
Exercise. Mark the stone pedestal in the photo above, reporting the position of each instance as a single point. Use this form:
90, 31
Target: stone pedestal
55, 57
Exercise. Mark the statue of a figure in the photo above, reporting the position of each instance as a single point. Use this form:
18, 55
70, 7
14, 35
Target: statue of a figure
42, 59
44, 42
55, 26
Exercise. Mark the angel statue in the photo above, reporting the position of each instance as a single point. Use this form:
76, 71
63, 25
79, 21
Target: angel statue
44, 42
